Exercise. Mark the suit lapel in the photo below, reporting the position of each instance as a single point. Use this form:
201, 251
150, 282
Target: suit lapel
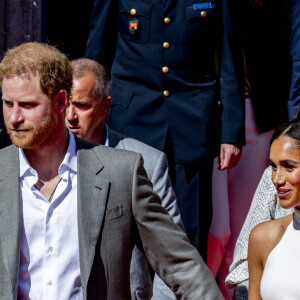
114, 140
92, 197
10, 214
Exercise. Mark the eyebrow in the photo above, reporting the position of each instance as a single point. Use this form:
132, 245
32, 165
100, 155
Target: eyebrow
20, 100
79, 102
284, 161
289, 161
271, 162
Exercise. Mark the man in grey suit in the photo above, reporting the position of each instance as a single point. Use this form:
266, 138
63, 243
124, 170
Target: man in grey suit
85, 115
71, 211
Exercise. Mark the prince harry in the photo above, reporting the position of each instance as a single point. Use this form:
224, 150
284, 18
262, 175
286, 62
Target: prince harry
72, 211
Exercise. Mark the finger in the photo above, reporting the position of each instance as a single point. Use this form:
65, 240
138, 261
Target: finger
221, 157
225, 162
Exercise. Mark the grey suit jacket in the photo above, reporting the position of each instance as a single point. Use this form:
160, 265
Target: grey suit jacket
156, 166
117, 209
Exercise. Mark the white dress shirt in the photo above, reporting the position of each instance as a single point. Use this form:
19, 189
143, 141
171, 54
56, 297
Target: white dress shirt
106, 136
49, 257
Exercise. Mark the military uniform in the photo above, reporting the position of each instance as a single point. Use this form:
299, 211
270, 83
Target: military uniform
166, 90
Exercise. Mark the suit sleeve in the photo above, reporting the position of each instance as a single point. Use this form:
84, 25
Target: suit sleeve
166, 246
231, 79
103, 31
294, 96
163, 188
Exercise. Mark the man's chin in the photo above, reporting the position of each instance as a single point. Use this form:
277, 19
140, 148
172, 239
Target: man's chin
77, 131
27, 140
22, 142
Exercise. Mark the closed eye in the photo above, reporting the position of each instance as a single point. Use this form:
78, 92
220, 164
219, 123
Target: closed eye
28, 105
272, 164
288, 166
8, 103
82, 105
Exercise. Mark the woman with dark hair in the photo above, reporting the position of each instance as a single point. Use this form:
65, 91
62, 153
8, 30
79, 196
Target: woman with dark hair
274, 246
264, 29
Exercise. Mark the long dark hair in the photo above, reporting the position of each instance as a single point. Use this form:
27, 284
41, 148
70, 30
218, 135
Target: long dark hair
290, 129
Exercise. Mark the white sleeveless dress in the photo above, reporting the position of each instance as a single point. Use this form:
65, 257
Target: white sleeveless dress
280, 279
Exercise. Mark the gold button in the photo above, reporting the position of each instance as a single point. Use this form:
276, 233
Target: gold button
133, 11
166, 93
166, 45
203, 13
219, 103
167, 20
165, 70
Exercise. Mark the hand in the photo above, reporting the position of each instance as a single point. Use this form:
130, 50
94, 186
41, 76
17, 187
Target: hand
229, 156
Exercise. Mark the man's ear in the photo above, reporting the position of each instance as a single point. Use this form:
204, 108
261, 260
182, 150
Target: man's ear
60, 101
106, 102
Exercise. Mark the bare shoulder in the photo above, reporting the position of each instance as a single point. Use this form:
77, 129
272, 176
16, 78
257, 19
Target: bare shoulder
265, 236
270, 231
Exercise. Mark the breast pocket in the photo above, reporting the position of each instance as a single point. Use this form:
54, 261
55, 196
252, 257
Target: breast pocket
114, 213
201, 18
135, 21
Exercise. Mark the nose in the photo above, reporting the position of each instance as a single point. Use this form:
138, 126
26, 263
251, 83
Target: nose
16, 116
71, 113
278, 177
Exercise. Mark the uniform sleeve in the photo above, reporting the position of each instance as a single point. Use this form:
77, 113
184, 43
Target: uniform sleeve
166, 246
294, 96
231, 79
103, 31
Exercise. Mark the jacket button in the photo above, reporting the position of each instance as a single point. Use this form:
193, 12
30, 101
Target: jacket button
133, 11
165, 70
166, 45
166, 93
167, 20
219, 103
203, 13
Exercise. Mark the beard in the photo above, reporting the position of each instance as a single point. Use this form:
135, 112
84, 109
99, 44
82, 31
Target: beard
35, 136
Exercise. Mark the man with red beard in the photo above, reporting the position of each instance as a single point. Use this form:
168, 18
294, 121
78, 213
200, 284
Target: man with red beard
71, 211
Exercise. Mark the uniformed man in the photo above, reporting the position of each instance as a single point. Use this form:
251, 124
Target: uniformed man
167, 92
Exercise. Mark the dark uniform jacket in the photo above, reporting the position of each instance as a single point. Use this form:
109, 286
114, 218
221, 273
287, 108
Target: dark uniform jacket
294, 96
265, 31
163, 57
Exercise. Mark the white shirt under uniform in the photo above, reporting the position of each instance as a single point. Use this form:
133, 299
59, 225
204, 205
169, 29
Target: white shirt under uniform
49, 257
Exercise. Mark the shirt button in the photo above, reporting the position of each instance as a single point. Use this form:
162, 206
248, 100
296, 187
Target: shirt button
133, 11
203, 13
166, 45
167, 20
166, 93
49, 282
50, 249
165, 70
50, 214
